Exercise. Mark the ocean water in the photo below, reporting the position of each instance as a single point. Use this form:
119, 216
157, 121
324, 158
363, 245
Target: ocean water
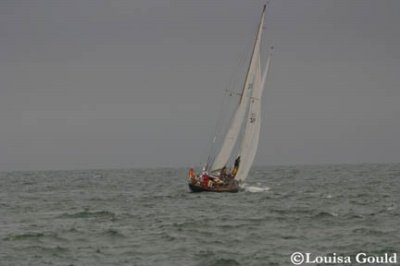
148, 217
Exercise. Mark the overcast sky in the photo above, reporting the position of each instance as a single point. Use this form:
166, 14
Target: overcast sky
104, 84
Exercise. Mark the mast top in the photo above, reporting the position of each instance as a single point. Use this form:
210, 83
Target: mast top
258, 36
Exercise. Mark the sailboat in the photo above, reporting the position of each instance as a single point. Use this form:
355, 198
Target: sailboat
243, 131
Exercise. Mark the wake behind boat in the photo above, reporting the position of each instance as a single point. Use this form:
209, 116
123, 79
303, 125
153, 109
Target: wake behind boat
241, 139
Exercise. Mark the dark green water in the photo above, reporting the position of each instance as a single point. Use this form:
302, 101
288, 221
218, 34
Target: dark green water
147, 217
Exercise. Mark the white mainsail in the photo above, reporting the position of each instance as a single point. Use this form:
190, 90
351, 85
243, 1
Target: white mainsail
251, 136
233, 132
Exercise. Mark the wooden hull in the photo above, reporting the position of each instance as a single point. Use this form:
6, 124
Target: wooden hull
232, 188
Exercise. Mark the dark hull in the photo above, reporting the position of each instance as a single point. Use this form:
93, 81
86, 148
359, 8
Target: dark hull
232, 188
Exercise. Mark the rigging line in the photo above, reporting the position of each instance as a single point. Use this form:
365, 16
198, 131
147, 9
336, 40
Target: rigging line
213, 137
240, 61
219, 128
240, 68
233, 93
235, 78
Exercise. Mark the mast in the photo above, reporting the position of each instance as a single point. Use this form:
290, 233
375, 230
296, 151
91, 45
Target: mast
258, 36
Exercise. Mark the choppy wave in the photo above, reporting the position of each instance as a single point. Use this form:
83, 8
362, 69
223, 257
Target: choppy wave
53, 250
324, 214
219, 262
369, 231
89, 214
34, 236
25, 236
113, 233
147, 217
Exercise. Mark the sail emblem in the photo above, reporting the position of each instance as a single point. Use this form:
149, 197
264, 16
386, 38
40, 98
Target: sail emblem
253, 118
249, 90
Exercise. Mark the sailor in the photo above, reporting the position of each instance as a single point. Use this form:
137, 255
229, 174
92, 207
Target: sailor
237, 162
191, 175
205, 180
191, 172
204, 176
204, 171
236, 166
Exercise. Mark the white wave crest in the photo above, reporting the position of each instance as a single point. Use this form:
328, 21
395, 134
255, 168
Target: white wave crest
254, 189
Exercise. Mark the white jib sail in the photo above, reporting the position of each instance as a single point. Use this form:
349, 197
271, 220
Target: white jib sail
251, 136
234, 130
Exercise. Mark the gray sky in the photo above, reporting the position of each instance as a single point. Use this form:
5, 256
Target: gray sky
101, 84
